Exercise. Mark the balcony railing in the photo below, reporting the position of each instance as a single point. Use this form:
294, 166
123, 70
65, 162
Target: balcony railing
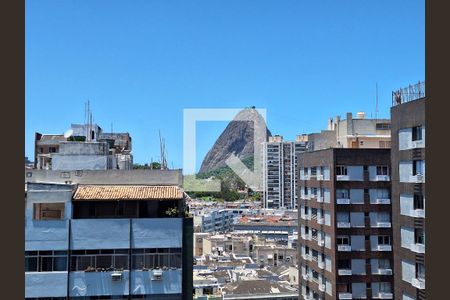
419, 178
319, 177
383, 248
418, 213
381, 225
380, 201
321, 242
418, 283
344, 248
418, 144
343, 224
382, 178
383, 295
418, 248
342, 177
343, 200
409, 93
344, 272
321, 264
384, 272
322, 287
320, 220
345, 296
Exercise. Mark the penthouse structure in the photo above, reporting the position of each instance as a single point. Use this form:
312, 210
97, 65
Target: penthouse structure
279, 176
83, 147
114, 234
408, 190
345, 234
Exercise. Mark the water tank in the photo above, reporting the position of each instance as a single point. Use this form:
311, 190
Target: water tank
360, 115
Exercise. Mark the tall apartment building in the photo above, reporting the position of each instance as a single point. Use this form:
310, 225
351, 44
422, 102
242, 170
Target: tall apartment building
345, 234
279, 176
408, 191
114, 234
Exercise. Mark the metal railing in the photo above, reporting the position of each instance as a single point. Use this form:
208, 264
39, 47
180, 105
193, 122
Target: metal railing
409, 93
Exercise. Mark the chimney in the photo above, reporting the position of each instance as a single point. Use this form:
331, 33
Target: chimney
330, 124
349, 116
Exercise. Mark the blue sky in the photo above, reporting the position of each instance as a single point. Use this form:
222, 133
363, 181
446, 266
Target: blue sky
140, 63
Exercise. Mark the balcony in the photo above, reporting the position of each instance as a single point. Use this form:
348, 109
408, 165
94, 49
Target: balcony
345, 296
418, 213
322, 287
418, 144
380, 201
383, 295
384, 272
344, 272
343, 224
381, 225
320, 221
418, 283
306, 257
344, 248
383, 248
417, 178
342, 178
382, 178
319, 177
343, 200
418, 248
319, 199
321, 265
305, 277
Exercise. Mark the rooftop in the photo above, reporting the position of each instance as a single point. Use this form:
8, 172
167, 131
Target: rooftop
128, 192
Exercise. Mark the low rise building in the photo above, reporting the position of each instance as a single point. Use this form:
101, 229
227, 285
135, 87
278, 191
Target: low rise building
106, 234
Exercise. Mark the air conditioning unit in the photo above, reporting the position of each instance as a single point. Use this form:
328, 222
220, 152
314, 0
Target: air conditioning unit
116, 276
157, 275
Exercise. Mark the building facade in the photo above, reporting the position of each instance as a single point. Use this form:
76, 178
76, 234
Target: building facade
408, 191
90, 237
345, 234
279, 176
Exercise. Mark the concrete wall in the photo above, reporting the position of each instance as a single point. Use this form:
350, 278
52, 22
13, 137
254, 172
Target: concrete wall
45, 284
79, 162
83, 148
150, 177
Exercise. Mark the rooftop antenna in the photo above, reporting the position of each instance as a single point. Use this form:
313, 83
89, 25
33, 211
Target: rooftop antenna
162, 147
376, 107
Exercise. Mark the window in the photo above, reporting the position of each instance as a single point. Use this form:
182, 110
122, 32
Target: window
52, 149
48, 211
383, 126
313, 171
343, 240
385, 287
384, 240
419, 202
417, 167
344, 264
99, 260
156, 258
45, 261
419, 236
420, 271
382, 170
417, 133
342, 193
384, 263
341, 170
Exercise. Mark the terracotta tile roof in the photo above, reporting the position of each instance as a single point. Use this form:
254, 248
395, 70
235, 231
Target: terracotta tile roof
127, 192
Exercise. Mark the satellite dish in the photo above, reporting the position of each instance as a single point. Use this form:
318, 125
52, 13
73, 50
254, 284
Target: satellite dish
68, 133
